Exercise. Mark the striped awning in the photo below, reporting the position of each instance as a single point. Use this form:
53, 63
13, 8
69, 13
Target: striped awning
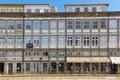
87, 59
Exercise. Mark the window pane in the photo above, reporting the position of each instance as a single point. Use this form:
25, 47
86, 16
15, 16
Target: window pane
44, 24
44, 41
103, 24
28, 10
86, 24
36, 25
28, 24
2, 24
61, 24
94, 9
70, 24
37, 10
78, 24
10, 24
86, 9
112, 23
19, 24
95, 24
103, 41
53, 24
77, 9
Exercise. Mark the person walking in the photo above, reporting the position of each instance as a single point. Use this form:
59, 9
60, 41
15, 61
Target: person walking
71, 69
79, 70
106, 69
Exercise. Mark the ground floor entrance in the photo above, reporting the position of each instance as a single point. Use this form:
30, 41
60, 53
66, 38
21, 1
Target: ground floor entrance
45, 67
1, 68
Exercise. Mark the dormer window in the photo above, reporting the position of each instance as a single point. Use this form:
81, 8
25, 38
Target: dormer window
77, 9
11, 10
86, 9
28, 10
45, 10
37, 10
94, 9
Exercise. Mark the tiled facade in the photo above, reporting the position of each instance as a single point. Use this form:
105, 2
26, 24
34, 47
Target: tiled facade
53, 42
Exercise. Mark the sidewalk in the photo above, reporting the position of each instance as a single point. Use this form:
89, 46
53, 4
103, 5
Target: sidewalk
59, 77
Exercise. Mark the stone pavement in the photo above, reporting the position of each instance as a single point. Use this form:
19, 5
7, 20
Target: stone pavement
59, 77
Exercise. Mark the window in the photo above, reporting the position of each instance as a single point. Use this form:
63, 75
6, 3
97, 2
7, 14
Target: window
69, 53
28, 10
1, 54
45, 10
69, 41
10, 41
103, 54
86, 41
53, 24
94, 24
27, 39
86, 24
113, 42
36, 40
53, 41
28, 24
103, 41
103, 24
2, 41
12, 10
86, 54
77, 9
3, 10
70, 24
112, 23
44, 41
20, 10
19, 41
37, 10
36, 25
94, 9
69, 10
78, 24
10, 24
94, 41
19, 24
86, 9
18, 54
28, 67
44, 24
61, 24
77, 41
95, 54
61, 41
2, 24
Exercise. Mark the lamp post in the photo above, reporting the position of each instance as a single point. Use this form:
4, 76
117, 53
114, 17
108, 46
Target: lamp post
40, 64
23, 28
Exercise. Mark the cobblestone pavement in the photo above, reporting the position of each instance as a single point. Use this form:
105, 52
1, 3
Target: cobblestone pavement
59, 77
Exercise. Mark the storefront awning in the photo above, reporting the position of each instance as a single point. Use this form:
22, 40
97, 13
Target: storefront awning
88, 59
115, 60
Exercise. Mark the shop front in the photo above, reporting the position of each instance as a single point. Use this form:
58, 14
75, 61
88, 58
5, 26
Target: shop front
87, 65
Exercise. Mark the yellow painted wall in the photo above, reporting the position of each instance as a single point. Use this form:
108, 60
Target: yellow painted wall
9, 6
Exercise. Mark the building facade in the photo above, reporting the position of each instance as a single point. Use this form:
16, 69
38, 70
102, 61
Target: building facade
39, 39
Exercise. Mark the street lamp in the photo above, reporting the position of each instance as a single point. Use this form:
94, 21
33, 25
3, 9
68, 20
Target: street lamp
40, 59
23, 42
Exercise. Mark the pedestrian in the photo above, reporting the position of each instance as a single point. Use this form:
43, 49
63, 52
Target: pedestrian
50, 69
79, 70
71, 69
106, 69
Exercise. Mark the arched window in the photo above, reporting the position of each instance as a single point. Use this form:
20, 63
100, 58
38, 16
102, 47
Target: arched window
10, 41
19, 41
